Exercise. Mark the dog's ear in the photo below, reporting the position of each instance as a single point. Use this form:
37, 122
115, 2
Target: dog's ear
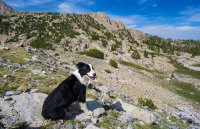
80, 65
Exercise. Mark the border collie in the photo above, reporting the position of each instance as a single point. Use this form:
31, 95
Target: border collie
70, 90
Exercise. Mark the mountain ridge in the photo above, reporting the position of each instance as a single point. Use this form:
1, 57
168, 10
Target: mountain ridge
6, 9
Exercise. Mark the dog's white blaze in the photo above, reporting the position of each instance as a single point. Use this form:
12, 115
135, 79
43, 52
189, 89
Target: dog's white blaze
77, 74
91, 73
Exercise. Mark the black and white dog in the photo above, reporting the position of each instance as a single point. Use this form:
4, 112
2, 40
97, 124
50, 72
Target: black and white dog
70, 90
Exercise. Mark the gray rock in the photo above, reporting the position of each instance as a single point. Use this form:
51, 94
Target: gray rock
126, 117
68, 126
194, 127
187, 113
10, 93
91, 126
130, 127
39, 72
8, 99
34, 90
83, 117
94, 120
2, 59
34, 58
95, 107
24, 107
134, 112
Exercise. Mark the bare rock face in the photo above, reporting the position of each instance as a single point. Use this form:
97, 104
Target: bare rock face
102, 18
187, 113
24, 107
5, 9
131, 112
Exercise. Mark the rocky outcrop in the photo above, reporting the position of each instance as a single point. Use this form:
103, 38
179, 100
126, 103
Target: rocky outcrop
5, 9
132, 112
24, 107
102, 18
186, 113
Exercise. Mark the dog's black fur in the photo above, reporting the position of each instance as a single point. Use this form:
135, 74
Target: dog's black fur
69, 91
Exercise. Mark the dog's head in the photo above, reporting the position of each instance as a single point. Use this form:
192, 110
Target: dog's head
86, 69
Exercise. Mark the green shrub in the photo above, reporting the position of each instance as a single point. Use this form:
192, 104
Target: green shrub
94, 53
113, 63
71, 33
40, 43
1, 116
172, 118
146, 54
20, 125
95, 36
65, 49
135, 55
56, 54
108, 35
184, 70
117, 44
104, 43
147, 102
106, 123
107, 71
114, 114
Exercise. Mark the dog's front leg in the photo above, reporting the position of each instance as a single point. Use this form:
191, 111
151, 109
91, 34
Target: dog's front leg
83, 107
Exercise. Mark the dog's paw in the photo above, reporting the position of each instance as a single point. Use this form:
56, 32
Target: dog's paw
89, 113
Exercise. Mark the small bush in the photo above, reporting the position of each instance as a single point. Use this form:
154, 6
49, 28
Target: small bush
106, 123
172, 118
135, 55
147, 102
71, 33
1, 116
113, 63
114, 114
20, 125
117, 44
92, 95
40, 43
107, 71
56, 54
146, 54
104, 43
65, 49
94, 53
95, 37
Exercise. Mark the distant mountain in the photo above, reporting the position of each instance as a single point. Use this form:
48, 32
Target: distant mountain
6, 9
82, 32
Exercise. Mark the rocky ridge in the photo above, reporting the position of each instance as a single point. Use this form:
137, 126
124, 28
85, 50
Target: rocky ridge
102, 18
5, 9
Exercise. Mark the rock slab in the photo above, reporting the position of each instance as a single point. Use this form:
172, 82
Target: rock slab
24, 107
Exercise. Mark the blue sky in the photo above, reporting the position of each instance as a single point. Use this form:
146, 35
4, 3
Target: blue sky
178, 19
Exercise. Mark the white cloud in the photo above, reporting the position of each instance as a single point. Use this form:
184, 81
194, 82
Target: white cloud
191, 14
154, 5
175, 32
67, 7
159, 26
140, 2
73, 6
25, 3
